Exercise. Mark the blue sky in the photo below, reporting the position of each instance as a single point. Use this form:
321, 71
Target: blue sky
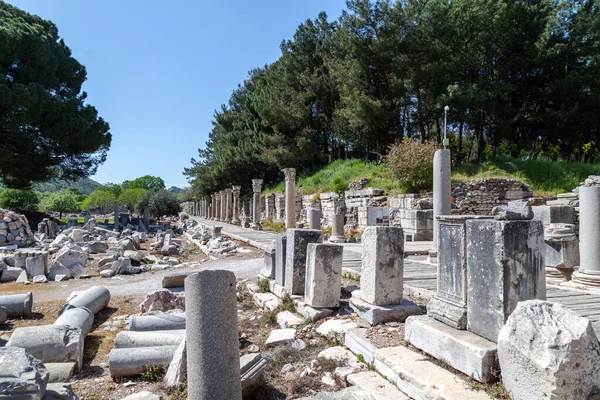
158, 69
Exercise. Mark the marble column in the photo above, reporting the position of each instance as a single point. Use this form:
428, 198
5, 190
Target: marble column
442, 193
223, 204
589, 236
256, 188
213, 199
217, 206
116, 215
228, 205
290, 197
236, 205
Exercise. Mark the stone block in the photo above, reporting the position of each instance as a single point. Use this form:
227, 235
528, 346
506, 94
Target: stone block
286, 319
268, 269
356, 340
554, 214
251, 368
36, 265
314, 314
374, 314
323, 275
296, 250
10, 274
280, 258
381, 279
23, 376
377, 387
548, 351
336, 326
506, 266
462, 350
280, 336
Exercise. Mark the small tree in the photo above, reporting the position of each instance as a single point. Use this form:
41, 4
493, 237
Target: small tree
131, 197
163, 203
412, 163
63, 201
21, 200
102, 199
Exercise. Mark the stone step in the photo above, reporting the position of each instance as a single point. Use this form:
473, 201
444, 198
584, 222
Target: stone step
356, 341
377, 387
420, 378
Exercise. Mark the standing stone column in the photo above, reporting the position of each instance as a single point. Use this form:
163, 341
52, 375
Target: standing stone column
228, 205
256, 188
217, 206
236, 205
314, 218
337, 229
442, 192
589, 233
222, 203
290, 197
212, 336
116, 215
295, 253
213, 199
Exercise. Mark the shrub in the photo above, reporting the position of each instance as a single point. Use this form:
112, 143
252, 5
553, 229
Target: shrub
21, 200
62, 201
339, 185
163, 203
412, 163
130, 197
101, 199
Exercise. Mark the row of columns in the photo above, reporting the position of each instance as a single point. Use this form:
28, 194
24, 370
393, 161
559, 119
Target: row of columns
224, 205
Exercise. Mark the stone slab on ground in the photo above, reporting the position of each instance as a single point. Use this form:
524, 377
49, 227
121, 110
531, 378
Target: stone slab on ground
379, 388
287, 319
350, 393
312, 313
60, 372
465, 351
266, 300
59, 391
374, 314
339, 326
145, 395
280, 336
251, 367
355, 339
419, 378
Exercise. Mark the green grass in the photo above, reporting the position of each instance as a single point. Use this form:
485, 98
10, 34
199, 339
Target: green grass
545, 178
81, 221
336, 176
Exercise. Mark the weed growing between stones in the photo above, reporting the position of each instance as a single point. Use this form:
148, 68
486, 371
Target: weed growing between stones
263, 285
179, 392
287, 304
153, 373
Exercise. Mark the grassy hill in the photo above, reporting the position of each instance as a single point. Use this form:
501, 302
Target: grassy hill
85, 185
544, 177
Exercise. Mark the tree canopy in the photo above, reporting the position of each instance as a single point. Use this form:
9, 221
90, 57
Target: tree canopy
100, 199
520, 78
147, 182
46, 128
64, 200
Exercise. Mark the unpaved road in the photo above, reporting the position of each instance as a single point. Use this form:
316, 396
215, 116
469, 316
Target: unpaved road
136, 285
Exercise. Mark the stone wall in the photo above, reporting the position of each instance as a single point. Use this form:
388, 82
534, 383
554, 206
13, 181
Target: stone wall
14, 229
479, 196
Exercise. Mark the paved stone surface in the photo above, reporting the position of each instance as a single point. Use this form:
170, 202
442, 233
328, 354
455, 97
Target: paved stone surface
378, 387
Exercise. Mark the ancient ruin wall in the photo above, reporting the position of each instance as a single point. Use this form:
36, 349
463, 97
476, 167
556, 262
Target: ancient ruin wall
479, 196
14, 229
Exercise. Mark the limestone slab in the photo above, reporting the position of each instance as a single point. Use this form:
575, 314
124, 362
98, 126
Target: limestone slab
280, 258
469, 353
280, 336
296, 251
373, 314
323, 275
356, 340
314, 314
23, 376
372, 383
287, 319
419, 378
336, 326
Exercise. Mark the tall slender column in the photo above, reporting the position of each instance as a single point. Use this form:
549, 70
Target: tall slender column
222, 205
116, 215
442, 192
290, 197
589, 232
236, 205
217, 206
228, 205
256, 188
213, 200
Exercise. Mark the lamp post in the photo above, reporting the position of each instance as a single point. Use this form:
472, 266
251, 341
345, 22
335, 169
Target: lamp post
446, 142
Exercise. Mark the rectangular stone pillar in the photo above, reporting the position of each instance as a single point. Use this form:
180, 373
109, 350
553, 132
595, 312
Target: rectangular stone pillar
323, 275
450, 302
506, 266
117, 216
290, 197
295, 268
280, 258
228, 205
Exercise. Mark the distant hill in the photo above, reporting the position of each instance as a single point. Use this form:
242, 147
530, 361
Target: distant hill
174, 189
85, 185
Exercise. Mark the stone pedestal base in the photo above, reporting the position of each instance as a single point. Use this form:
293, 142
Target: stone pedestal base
560, 274
450, 314
374, 315
256, 227
586, 279
337, 239
462, 350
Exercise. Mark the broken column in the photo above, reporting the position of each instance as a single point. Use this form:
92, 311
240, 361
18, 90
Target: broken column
117, 215
589, 232
23, 376
212, 336
296, 248
382, 278
157, 322
323, 275
561, 251
505, 265
17, 305
280, 258
133, 361
256, 188
290, 197
236, 205
337, 229
228, 205
314, 218
442, 193
94, 299
80, 318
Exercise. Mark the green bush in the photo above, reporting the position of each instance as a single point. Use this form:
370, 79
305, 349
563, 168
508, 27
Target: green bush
100, 199
21, 200
163, 203
412, 163
64, 200
339, 185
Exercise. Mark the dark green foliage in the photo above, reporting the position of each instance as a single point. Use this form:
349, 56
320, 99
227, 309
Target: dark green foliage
147, 182
18, 200
521, 78
63, 201
46, 128
84, 185
163, 203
